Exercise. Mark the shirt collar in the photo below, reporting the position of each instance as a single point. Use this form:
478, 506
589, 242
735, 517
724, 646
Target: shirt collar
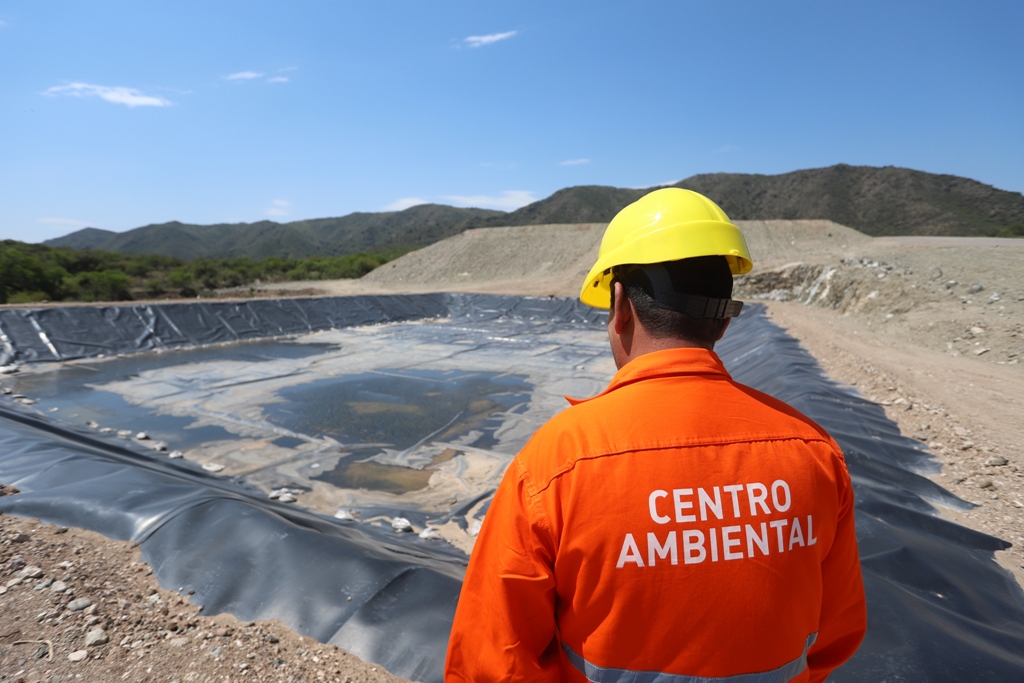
665, 363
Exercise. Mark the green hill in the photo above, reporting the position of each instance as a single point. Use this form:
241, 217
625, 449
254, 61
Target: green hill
876, 201
354, 233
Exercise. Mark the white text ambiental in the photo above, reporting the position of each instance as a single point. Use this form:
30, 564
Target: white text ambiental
726, 542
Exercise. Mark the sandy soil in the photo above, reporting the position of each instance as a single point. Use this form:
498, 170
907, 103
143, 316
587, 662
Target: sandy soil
931, 328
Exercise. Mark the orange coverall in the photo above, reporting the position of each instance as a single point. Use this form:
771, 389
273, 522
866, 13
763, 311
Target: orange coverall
678, 527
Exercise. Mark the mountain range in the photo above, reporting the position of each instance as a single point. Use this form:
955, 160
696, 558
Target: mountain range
874, 200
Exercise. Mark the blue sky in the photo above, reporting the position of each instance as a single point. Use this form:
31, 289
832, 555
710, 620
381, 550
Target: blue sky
117, 114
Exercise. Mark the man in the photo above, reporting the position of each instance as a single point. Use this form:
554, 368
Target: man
679, 527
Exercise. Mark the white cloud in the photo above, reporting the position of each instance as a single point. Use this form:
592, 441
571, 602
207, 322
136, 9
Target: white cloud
480, 41
278, 79
278, 208
405, 203
130, 97
62, 222
667, 183
243, 76
508, 201
573, 162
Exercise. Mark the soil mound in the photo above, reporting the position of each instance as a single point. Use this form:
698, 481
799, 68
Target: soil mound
561, 255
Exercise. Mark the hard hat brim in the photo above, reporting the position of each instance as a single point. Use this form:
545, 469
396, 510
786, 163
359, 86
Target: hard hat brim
669, 243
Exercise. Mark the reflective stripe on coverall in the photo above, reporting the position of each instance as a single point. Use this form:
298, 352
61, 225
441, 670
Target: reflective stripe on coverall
678, 527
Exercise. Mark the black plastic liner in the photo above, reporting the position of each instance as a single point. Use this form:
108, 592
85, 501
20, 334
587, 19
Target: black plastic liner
51, 334
940, 608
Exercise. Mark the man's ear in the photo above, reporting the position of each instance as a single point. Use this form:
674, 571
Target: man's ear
725, 326
622, 311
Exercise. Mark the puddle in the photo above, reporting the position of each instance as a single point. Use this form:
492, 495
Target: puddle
287, 442
73, 389
404, 409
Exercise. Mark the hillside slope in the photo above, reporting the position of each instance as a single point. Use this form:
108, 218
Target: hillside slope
356, 232
876, 201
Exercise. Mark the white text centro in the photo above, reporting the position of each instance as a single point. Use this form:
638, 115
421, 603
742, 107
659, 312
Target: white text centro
724, 542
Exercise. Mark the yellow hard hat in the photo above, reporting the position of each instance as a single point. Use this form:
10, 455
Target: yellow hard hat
664, 225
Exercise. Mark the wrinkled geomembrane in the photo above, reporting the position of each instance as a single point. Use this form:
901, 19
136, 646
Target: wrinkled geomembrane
939, 607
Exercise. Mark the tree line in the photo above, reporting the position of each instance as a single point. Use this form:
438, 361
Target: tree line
31, 273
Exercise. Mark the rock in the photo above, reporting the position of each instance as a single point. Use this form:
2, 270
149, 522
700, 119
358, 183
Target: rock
935, 273
213, 467
430, 534
20, 537
474, 528
92, 424
30, 572
967, 445
178, 642
215, 651
90, 610
79, 604
78, 656
97, 636
951, 284
976, 287
58, 587
16, 562
985, 483
345, 515
994, 298
175, 455
401, 524
45, 583
978, 352
158, 445
960, 431
106, 430
997, 461
287, 498
124, 433
142, 436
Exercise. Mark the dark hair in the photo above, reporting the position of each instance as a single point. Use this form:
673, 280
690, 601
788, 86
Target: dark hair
703, 275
